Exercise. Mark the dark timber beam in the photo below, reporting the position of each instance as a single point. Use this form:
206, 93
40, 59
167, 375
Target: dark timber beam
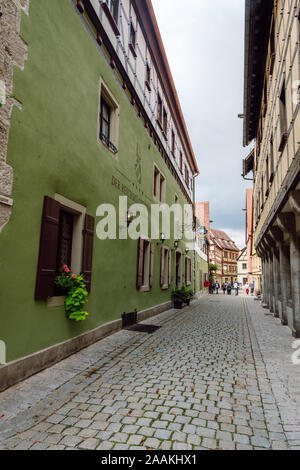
287, 222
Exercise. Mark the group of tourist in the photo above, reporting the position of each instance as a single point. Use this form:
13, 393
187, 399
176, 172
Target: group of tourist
229, 287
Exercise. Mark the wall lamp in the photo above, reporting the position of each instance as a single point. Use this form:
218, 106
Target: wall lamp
176, 244
162, 238
129, 218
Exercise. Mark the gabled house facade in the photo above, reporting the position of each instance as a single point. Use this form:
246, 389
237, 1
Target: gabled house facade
242, 268
223, 253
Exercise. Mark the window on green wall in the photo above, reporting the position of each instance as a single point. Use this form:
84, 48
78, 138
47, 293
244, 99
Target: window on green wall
159, 185
188, 271
105, 121
109, 115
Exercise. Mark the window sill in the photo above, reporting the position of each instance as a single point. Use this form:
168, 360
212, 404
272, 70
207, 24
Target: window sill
111, 19
156, 199
165, 287
144, 289
109, 146
53, 302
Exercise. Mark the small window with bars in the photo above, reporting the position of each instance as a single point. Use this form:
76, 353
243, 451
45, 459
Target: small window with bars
109, 113
105, 121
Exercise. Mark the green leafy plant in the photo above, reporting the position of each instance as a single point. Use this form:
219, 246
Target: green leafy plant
213, 268
77, 294
183, 295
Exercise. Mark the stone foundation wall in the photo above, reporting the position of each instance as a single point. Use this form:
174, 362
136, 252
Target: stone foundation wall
16, 371
13, 51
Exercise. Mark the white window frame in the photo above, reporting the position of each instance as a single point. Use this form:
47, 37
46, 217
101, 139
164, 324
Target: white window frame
114, 117
79, 213
147, 266
188, 274
166, 253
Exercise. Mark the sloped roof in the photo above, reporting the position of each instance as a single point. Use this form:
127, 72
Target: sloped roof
257, 30
220, 238
148, 20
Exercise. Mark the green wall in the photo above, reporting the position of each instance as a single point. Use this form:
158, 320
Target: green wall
53, 148
203, 266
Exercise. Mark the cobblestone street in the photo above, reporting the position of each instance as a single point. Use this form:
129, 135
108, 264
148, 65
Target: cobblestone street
217, 375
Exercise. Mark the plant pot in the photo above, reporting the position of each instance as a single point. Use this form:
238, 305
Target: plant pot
188, 302
178, 304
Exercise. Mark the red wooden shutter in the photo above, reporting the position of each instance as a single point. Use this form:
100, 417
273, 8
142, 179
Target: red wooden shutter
140, 264
48, 250
186, 270
170, 267
87, 253
151, 264
162, 267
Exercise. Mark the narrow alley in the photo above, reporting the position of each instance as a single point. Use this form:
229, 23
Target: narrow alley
216, 375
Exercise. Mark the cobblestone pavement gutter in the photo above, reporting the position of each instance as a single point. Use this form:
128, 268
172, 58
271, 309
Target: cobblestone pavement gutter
217, 375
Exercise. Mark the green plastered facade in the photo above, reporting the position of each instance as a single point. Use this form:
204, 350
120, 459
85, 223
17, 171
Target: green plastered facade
53, 148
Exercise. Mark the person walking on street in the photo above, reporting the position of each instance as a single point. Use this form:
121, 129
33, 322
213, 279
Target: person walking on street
252, 288
224, 288
247, 289
217, 287
236, 288
228, 288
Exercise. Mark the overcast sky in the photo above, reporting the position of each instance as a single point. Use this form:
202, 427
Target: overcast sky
204, 41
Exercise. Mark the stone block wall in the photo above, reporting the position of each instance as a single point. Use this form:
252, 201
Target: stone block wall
13, 51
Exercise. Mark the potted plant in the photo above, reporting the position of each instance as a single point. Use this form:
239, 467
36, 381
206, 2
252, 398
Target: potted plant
76, 293
189, 294
177, 299
182, 296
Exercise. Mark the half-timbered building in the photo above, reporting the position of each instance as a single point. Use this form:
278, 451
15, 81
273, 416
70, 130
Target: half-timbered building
272, 121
